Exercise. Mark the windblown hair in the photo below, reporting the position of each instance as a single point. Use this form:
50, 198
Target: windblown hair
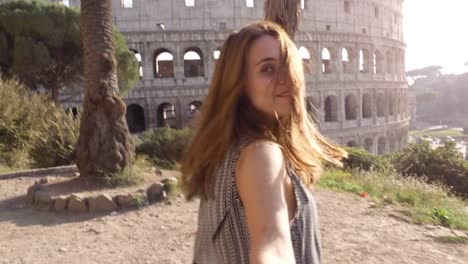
227, 114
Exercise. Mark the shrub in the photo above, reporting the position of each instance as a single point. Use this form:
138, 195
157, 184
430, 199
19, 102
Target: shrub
163, 146
443, 164
363, 160
34, 132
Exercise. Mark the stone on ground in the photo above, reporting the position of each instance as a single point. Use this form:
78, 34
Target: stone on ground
101, 203
77, 204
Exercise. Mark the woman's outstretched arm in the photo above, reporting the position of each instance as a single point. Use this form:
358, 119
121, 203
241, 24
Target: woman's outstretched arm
260, 177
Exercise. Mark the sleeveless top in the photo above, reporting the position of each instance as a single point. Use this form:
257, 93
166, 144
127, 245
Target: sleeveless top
222, 236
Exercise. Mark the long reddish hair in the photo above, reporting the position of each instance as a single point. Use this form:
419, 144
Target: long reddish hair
226, 115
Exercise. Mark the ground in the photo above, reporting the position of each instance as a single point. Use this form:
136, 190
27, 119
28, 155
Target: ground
353, 231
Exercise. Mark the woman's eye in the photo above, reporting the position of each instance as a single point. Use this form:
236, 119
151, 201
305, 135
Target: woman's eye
268, 69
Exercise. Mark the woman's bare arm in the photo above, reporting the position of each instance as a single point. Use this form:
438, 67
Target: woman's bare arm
260, 176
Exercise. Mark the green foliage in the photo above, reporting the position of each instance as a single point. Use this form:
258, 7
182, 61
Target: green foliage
34, 132
424, 203
452, 239
40, 43
443, 164
163, 146
361, 159
132, 174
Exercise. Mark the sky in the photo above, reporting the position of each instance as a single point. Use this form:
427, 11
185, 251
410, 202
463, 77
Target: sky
436, 33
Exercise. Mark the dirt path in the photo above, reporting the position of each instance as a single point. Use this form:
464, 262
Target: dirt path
352, 232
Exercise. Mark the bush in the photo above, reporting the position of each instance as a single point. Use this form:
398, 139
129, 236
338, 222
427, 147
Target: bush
34, 132
363, 160
440, 165
163, 146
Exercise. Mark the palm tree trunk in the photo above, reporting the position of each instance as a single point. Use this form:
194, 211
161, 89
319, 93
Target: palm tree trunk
105, 146
286, 13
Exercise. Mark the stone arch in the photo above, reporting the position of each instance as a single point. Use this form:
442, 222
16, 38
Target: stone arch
378, 62
139, 59
193, 108
380, 105
216, 54
331, 108
166, 115
369, 144
390, 62
326, 61
364, 61
382, 146
351, 107
305, 56
163, 63
135, 118
347, 60
193, 62
366, 105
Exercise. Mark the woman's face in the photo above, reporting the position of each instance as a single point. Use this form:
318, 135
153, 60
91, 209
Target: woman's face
268, 84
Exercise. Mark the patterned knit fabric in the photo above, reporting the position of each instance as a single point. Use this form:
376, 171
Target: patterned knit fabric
222, 236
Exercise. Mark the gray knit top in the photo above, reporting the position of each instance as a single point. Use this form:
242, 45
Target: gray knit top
222, 236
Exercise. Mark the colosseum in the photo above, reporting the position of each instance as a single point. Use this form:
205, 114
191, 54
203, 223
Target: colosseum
356, 85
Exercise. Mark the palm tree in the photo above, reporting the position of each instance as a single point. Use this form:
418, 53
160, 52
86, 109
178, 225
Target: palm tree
105, 146
286, 13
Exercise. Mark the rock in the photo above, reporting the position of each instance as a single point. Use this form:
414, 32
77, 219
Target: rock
62, 249
77, 204
459, 233
154, 192
43, 180
158, 172
125, 201
60, 204
43, 200
101, 203
76, 174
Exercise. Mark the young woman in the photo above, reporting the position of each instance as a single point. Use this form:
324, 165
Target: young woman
254, 154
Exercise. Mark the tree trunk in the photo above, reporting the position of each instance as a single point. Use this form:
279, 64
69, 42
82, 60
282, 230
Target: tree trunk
105, 146
286, 13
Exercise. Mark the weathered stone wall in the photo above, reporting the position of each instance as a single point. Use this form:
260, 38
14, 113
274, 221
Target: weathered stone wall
371, 76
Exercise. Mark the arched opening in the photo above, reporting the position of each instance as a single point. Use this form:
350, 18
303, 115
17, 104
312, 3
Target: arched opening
380, 105
135, 118
364, 61
193, 109
352, 144
369, 144
389, 61
382, 144
331, 109
166, 115
193, 62
347, 66
366, 106
216, 54
305, 56
139, 58
378, 62
351, 107
326, 61
163, 64
249, 3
